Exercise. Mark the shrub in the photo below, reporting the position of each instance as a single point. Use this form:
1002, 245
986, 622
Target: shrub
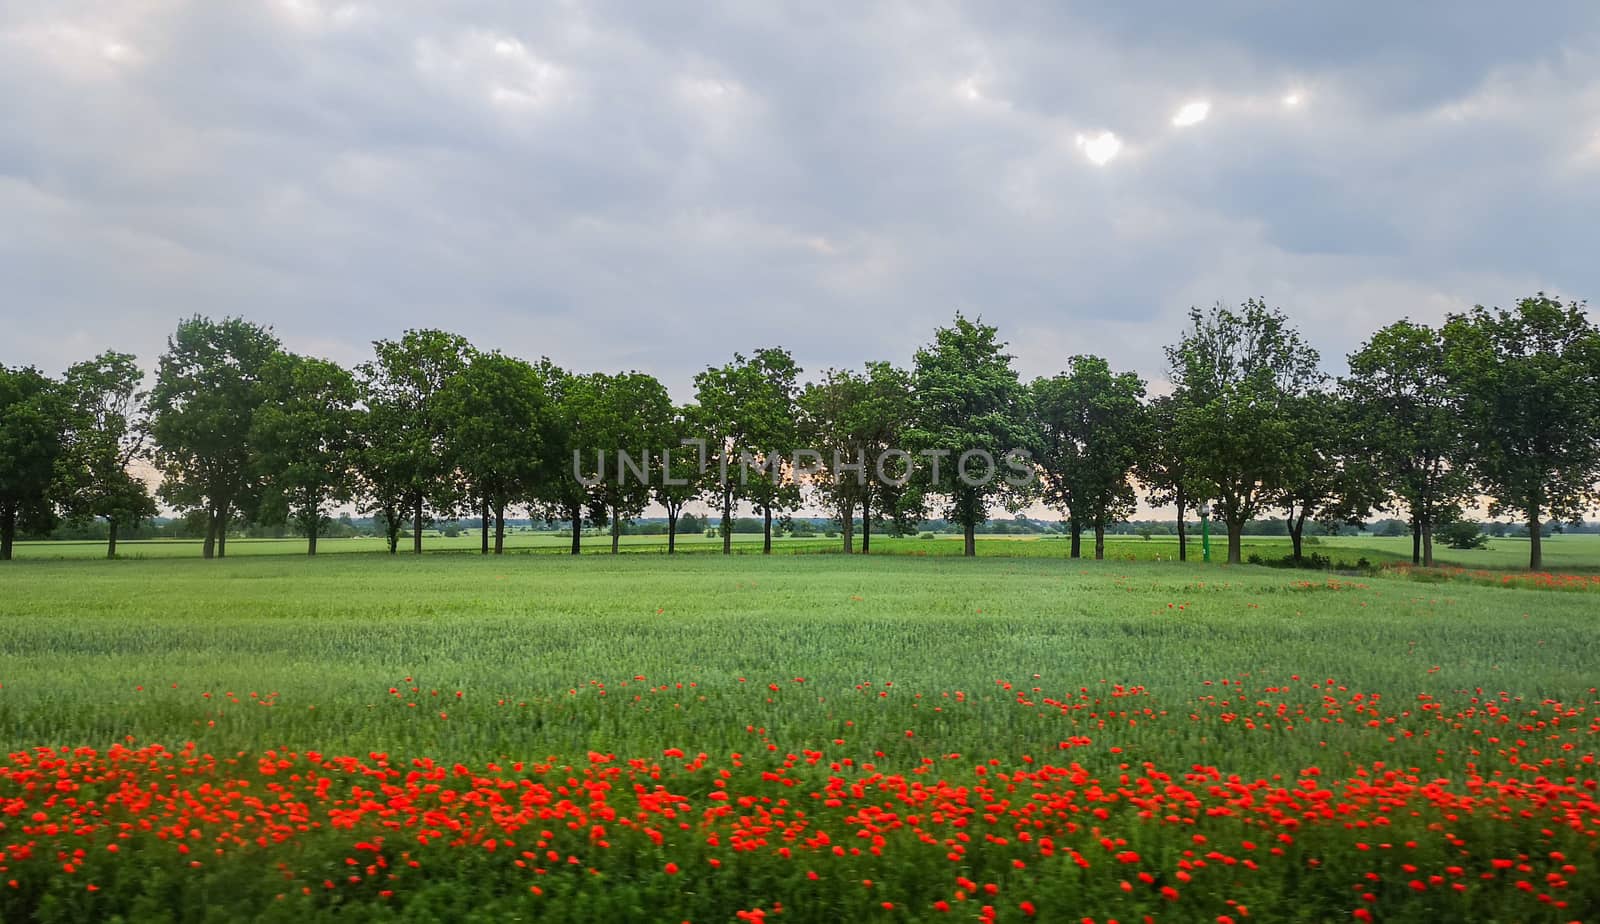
1463, 534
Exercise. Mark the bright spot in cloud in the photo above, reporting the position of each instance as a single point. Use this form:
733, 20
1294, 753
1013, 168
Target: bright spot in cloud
1101, 148
1291, 100
500, 67
1192, 114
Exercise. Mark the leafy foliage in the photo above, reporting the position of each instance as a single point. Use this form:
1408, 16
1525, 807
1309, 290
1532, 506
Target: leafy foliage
749, 414
1530, 406
209, 386
1093, 431
33, 416
1405, 411
305, 437
109, 431
1238, 376
405, 460
501, 433
967, 398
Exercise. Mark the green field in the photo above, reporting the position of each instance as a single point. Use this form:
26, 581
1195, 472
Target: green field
1570, 554
893, 671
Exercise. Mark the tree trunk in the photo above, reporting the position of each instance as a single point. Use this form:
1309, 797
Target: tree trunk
499, 529
483, 529
616, 531
1099, 542
223, 517
1426, 524
391, 525
727, 520
8, 532
111, 537
1535, 554
576, 511
1183, 532
866, 523
848, 522
1297, 526
672, 531
766, 531
1235, 542
311, 520
1416, 541
970, 547
416, 528
1077, 539
209, 550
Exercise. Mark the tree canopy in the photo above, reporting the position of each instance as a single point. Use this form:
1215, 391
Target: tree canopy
967, 404
1237, 375
1529, 381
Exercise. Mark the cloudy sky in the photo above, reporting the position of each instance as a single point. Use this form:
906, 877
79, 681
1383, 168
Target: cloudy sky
654, 186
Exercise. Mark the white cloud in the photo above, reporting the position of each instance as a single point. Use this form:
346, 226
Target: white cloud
85, 50
1192, 114
748, 175
320, 15
492, 67
1101, 149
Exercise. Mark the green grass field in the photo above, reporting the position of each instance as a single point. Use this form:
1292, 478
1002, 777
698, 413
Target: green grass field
1573, 554
846, 706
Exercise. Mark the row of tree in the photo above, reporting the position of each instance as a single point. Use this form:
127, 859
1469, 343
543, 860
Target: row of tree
1498, 403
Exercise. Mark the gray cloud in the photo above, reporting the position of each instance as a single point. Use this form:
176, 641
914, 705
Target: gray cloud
632, 185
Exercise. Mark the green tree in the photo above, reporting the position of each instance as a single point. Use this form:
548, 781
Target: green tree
34, 415
1529, 380
626, 419
500, 435
202, 409
305, 436
1163, 468
1236, 377
560, 495
1328, 477
832, 424
748, 411
1406, 423
968, 404
679, 478
405, 459
883, 416
1092, 433
382, 479
109, 432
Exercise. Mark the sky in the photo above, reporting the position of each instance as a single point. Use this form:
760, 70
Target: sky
633, 185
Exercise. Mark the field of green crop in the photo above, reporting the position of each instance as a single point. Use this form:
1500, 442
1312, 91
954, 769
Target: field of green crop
802, 737
1573, 554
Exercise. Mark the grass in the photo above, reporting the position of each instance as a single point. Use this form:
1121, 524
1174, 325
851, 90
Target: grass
886, 668
1573, 554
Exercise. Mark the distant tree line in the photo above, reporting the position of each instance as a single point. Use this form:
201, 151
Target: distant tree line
1499, 403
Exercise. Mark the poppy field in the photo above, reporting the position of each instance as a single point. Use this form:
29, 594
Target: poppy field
808, 738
